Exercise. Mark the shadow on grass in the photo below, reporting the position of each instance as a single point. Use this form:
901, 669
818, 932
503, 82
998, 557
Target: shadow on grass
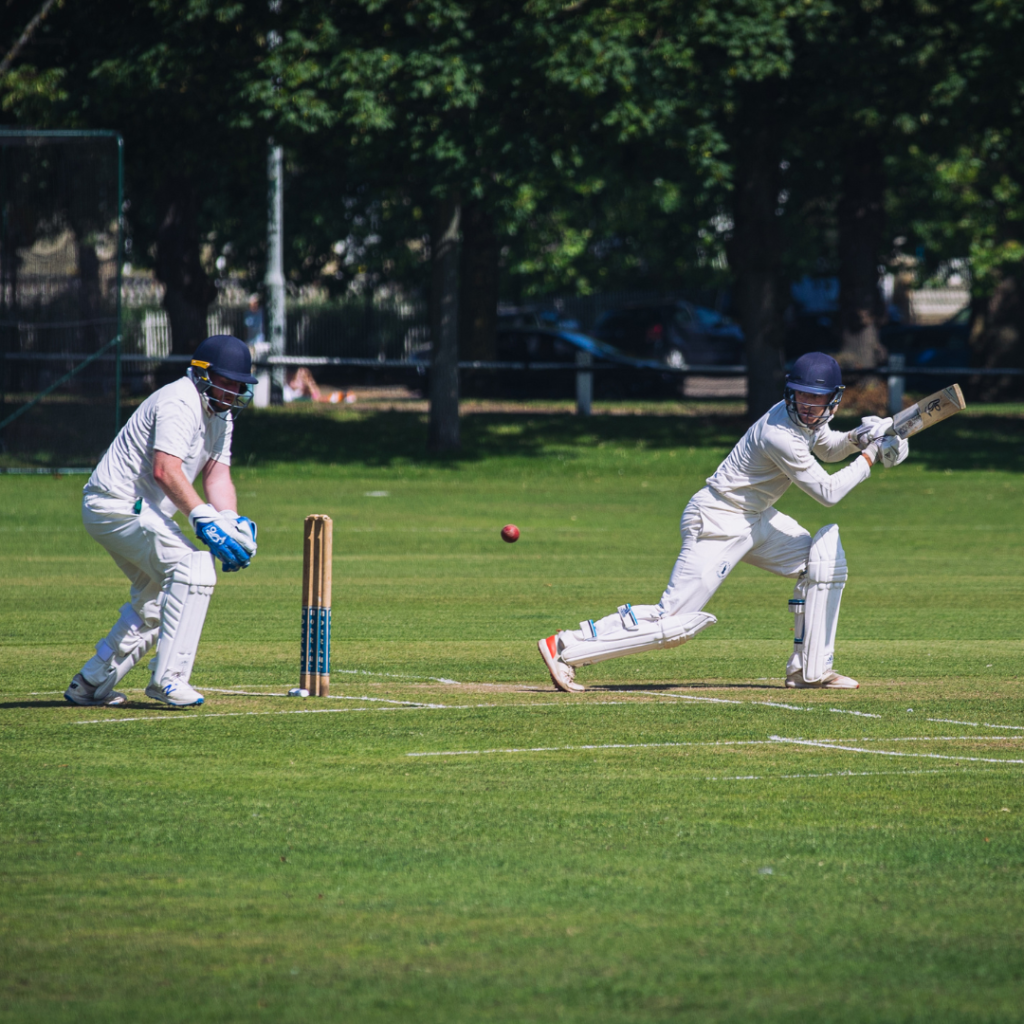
975, 442
131, 705
327, 435
667, 687
12, 704
383, 438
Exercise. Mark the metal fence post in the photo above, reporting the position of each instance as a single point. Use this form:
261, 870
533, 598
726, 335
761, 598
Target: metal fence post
897, 363
584, 384
274, 321
119, 258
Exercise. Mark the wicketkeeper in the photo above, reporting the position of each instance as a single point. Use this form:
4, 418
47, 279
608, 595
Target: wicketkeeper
732, 519
180, 431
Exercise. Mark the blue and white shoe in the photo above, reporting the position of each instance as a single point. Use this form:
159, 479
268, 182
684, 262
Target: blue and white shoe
83, 694
177, 694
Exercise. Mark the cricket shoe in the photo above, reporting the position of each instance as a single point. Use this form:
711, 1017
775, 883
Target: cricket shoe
562, 675
84, 694
177, 694
833, 681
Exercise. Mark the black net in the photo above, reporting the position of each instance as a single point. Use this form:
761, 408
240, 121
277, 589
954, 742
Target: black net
60, 272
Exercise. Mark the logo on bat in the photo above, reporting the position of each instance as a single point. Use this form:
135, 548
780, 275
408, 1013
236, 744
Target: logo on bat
933, 406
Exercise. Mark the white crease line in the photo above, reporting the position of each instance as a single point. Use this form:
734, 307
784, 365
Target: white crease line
982, 725
331, 696
716, 743
821, 775
929, 739
592, 746
392, 675
893, 753
298, 711
861, 714
722, 700
335, 711
709, 700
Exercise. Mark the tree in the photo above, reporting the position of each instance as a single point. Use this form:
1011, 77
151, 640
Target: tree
961, 190
173, 79
630, 141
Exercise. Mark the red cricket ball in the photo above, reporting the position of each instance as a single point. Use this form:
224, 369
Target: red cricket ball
510, 533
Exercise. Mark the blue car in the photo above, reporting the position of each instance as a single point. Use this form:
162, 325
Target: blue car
677, 334
540, 338
931, 345
530, 338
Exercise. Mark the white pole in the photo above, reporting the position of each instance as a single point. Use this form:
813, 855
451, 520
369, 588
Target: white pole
897, 362
584, 384
275, 312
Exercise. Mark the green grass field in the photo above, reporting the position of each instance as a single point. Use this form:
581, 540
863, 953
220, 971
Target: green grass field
447, 839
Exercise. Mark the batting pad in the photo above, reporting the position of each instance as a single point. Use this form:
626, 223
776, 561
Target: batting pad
186, 598
630, 630
119, 652
822, 592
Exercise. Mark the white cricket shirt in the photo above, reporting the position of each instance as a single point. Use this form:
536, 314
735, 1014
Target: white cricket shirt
775, 453
172, 420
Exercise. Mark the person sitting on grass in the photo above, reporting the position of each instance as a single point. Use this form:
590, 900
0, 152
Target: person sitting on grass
301, 386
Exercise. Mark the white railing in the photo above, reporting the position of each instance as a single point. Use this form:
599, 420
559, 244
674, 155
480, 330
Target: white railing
933, 305
156, 332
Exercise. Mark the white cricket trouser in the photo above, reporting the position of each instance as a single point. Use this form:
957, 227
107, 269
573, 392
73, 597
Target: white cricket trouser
171, 584
145, 546
716, 537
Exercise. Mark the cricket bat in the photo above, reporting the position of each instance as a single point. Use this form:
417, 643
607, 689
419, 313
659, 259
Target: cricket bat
929, 411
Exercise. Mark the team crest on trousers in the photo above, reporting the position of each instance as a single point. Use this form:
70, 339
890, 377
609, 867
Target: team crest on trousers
722, 569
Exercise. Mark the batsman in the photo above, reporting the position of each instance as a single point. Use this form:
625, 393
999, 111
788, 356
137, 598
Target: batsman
179, 432
733, 519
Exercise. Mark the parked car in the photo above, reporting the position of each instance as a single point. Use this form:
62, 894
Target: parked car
559, 345
532, 338
677, 334
943, 344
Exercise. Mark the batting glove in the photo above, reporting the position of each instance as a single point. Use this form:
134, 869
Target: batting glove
218, 532
890, 451
894, 450
871, 428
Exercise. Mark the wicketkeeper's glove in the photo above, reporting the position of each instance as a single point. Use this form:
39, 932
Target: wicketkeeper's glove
230, 540
245, 534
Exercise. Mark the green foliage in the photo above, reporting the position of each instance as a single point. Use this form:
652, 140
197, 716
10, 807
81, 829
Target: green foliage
26, 88
603, 138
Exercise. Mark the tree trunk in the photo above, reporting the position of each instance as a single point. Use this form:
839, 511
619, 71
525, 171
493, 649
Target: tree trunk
478, 285
188, 291
754, 252
443, 434
861, 224
997, 339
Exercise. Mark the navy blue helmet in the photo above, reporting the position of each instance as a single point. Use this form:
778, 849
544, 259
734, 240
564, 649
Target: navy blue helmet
227, 357
814, 373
